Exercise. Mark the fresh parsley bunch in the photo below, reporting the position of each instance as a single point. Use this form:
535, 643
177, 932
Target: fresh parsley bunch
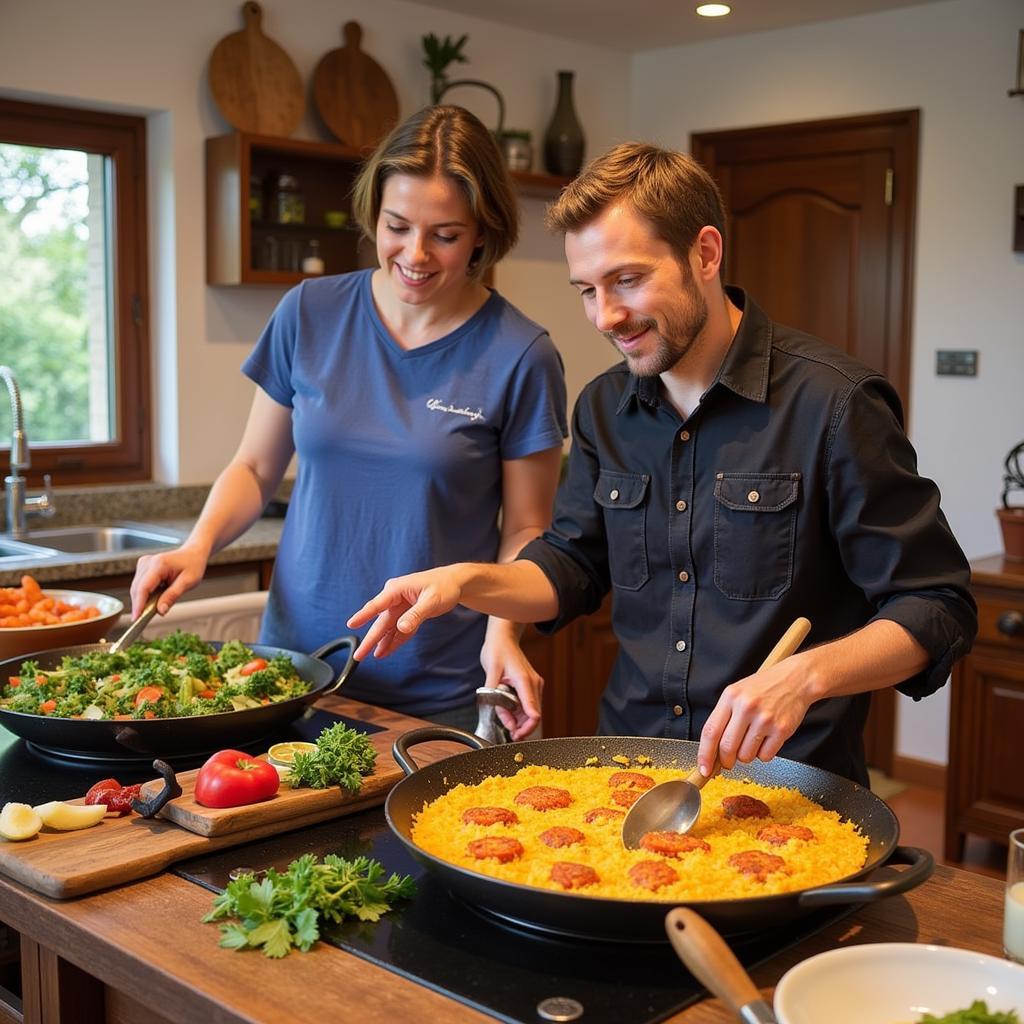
977, 1013
285, 910
342, 757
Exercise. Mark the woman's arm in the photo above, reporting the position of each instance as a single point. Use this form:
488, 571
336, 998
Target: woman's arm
236, 499
528, 493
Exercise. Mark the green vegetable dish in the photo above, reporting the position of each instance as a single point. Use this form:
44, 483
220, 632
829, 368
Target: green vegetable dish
977, 1013
176, 676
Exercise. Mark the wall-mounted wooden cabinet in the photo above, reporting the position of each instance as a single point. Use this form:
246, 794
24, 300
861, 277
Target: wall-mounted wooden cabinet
245, 241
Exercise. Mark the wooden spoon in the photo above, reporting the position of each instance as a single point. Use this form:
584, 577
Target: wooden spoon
710, 960
674, 806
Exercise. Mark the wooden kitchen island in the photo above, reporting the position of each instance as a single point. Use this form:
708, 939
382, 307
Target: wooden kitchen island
137, 953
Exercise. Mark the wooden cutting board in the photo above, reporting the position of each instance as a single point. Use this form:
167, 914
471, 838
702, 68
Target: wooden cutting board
254, 82
353, 93
119, 850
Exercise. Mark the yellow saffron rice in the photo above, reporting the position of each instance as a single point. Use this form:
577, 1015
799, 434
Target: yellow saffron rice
837, 850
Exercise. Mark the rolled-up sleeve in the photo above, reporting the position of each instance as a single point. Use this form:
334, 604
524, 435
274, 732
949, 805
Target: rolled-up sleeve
573, 553
893, 539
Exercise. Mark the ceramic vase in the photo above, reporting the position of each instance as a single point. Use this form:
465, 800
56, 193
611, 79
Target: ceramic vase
563, 141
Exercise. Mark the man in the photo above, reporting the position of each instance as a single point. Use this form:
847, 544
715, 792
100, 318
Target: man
729, 476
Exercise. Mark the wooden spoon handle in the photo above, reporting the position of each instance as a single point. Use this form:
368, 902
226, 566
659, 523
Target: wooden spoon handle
791, 640
709, 959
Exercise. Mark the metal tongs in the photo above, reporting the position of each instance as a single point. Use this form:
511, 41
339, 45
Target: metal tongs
135, 630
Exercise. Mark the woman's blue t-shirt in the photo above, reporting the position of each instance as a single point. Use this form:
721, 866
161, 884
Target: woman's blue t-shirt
399, 469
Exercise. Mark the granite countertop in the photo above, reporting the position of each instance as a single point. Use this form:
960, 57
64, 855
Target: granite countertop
173, 509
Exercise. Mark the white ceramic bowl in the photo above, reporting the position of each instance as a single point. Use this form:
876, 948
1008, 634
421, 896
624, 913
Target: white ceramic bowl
895, 983
16, 641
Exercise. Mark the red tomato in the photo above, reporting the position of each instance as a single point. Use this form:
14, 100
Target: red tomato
102, 787
148, 693
47, 706
119, 801
14, 682
231, 778
256, 665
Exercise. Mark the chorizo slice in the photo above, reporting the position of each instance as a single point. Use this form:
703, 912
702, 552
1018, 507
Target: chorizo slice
597, 814
500, 848
561, 835
779, 835
631, 780
744, 806
652, 874
489, 816
573, 876
672, 844
757, 863
544, 798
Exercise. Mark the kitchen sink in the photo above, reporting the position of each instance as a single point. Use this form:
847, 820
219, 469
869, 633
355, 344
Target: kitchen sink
86, 540
17, 551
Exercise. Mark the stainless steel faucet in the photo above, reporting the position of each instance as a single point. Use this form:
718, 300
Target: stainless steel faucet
18, 504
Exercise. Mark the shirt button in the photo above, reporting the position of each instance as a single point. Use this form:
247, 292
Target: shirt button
680, 645
753, 497
684, 435
614, 495
684, 576
677, 710
680, 506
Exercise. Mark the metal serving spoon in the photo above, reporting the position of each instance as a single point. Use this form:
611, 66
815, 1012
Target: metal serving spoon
674, 806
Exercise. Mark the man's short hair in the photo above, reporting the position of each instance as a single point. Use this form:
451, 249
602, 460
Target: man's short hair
670, 189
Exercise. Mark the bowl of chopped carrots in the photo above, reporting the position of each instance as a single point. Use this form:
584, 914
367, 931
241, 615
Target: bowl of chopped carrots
33, 619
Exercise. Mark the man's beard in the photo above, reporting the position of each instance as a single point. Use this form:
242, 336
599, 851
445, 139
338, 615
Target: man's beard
682, 328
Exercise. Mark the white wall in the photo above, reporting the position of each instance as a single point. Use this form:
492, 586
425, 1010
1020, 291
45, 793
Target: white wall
149, 57
955, 61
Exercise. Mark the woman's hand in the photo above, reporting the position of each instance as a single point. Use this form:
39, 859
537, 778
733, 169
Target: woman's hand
503, 661
181, 569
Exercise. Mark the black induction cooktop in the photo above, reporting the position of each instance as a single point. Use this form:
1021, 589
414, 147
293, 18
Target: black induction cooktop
523, 977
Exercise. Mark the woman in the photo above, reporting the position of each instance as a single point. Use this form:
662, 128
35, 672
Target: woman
427, 414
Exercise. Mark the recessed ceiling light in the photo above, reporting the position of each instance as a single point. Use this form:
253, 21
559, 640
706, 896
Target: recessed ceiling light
713, 10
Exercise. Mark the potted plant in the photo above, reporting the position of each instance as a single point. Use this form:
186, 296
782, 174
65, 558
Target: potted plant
1011, 517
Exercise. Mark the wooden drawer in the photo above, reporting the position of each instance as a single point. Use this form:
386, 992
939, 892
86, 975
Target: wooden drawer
1000, 618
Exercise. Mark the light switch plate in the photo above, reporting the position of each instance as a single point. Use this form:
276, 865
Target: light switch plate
956, 362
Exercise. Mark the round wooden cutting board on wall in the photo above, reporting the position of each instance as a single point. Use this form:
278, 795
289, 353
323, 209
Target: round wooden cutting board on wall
353, 94
254, 82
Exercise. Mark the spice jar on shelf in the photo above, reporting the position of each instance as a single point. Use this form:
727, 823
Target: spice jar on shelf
289, 204
312, 262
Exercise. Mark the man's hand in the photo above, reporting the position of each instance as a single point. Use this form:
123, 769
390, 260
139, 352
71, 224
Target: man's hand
403, 606
756, 715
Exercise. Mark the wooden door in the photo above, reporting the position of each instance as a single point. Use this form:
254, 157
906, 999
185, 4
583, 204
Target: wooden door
820, 233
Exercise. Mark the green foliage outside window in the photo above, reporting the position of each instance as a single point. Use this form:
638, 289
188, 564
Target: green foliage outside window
43, 281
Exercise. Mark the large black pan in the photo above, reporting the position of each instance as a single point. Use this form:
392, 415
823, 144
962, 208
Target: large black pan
592, 917
81, 738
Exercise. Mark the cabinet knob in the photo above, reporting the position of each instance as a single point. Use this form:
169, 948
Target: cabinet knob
1011, 623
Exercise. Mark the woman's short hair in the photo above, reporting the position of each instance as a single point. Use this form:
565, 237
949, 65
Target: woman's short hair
446, 140
670, 189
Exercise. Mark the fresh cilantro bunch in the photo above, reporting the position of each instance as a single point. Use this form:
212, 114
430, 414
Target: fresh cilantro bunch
285, 910
342, 757
977, 1013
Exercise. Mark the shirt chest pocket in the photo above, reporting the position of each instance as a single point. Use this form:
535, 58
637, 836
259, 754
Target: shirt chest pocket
755, 533
623, 498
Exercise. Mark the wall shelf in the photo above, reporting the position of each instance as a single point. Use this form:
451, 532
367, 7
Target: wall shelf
240, 250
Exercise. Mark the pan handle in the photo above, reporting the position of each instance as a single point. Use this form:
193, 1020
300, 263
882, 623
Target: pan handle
400, 748
921, 862
351, 642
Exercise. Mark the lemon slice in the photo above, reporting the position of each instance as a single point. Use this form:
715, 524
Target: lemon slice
284, 753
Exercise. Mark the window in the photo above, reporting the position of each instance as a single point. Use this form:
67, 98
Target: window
73, 296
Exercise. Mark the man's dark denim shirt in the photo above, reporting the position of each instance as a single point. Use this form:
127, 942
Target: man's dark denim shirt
790, 490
